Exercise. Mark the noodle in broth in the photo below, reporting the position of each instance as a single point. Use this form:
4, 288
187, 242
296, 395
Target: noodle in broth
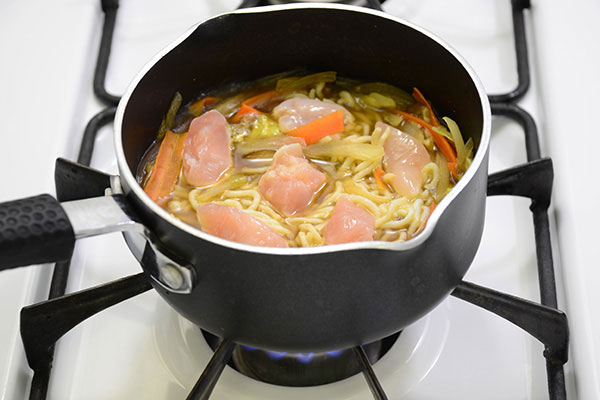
350, 160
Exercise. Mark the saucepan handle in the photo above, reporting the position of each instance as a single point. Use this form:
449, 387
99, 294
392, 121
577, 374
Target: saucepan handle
34, 230
40, 229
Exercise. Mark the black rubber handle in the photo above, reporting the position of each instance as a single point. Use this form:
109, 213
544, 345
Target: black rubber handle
34, 230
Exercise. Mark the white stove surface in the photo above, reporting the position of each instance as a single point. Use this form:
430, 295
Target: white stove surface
141, 349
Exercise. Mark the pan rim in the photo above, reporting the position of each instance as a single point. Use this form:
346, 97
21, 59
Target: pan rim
480, 156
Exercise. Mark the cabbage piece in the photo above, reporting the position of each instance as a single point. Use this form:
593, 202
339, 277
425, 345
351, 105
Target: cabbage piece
444, 179
392, 119
403, 99
462, 151
378, 100
469, 150
440, 130
336, 148
264, 127
272, 143
231, 104
169, 119
295, 83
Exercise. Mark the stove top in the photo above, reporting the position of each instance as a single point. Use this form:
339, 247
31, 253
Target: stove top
142, 349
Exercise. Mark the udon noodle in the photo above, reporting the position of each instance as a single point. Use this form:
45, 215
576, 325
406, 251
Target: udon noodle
354, 161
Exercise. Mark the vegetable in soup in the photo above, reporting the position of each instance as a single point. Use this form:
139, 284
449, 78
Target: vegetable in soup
305, 161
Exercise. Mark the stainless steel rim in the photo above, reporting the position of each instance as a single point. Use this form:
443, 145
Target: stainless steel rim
480, 156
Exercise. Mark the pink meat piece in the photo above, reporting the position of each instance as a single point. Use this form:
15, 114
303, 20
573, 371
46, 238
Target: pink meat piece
291, 182
405, 157
207, 149
349, 223
298, 111
235, 225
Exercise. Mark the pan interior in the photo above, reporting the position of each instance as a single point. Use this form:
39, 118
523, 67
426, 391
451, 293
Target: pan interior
243, 47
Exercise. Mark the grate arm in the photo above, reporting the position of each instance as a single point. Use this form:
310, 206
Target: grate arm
546, 324
516, 181
369, 374
207, 381
44, 323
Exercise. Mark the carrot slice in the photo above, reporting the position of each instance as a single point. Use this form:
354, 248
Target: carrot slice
261, 100
431, 208
317, 129
243, 111
198, 107
167, 167
378, 173
421, 99
440, 141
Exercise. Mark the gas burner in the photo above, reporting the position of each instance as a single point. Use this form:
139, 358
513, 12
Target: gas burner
301, 369
408, 359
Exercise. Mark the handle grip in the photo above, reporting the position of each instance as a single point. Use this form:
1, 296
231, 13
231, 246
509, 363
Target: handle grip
34, 230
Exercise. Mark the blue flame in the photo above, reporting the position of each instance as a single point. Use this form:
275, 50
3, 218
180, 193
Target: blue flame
302, 357
276, 355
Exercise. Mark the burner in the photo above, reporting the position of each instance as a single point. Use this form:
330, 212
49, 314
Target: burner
301, 369
184, 351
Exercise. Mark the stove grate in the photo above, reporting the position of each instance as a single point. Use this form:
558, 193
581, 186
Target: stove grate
207, 381
369, 374
524, 77
44, 323
109, 7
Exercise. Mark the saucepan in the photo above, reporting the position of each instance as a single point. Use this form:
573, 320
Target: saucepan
292, 299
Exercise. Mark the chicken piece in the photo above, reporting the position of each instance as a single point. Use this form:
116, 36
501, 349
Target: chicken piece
207, 149
291, 182
348, 223
405, 157
235, 225
298, 111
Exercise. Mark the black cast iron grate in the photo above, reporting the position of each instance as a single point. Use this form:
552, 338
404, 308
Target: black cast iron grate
44, 323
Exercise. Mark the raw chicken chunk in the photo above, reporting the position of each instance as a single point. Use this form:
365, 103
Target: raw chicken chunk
405, 157
207, 149
298, 111
291, 182
348, 223
235, 225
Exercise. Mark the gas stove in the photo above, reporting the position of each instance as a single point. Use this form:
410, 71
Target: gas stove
141, 348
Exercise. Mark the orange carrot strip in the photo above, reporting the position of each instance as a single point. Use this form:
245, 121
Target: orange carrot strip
260, 100
167, 166
378, 173
440, 141
431, 208
243, 111
421, 99
198, 107
317, 129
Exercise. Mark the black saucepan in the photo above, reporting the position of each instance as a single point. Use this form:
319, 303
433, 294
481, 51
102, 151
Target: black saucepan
294, 299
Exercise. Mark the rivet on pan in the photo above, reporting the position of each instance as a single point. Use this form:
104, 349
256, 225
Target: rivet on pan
170, 276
